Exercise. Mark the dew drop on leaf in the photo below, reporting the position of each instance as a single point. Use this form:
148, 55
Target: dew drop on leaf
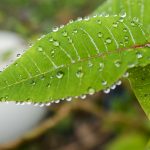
108, 40
101, 66
40, 49
79, 73
91, 91
104, 83
56, 43
59, 74
117, 63
100, 34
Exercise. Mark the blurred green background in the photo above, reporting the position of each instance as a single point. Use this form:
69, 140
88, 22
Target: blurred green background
100, 122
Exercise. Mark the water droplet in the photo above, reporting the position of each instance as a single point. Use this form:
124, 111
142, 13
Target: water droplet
79, 19
33, 82
87, 18
64, 33
48, 104
122, 14
126, 75
59, 74
83, 96
100, 34
139, 55
69, 99
108, 40
79, 73
40, 49
48, 85
56, 43
117, 63
75, 31
51, 39
18, 55
99, 21
132, 23
119, 82
125, 30
57, 101
55, 29
91, 91
107, 91
90, 64
115, 25
113, 87
104, 83
101, 66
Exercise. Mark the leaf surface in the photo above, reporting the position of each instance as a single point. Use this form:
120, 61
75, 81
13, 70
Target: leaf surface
82, 58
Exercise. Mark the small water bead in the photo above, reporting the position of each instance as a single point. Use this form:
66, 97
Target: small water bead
125, 30
79, 73
42, 77
55, 29
75, 31
126, 75
108, 41
70, 21
64, 33
79, 19
56, 43
57, 101
115, 25
101, 66
48, 104
87, 18
100, 34
135, 19
104, 83
99, 21
18, 55
119, 82
123, 14
107, 91
69, 99
117, 63
91, 91
83, 96
113, 87
121, 19
48, 85
40, 49
139, 55
51, 39
90, 64
33, 83
59, 74
132, 23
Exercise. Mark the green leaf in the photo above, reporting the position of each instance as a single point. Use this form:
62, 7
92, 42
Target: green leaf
140, 81
137, 9
81, 58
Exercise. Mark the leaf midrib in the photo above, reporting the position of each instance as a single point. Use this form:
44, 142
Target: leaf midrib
82, 60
